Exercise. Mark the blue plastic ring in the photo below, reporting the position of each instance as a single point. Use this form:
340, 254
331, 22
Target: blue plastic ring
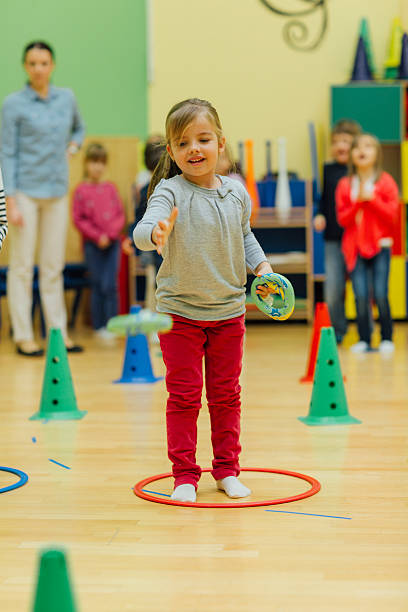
280, 305
23, 479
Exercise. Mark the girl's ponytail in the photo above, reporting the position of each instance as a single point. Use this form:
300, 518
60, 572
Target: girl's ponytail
166, 168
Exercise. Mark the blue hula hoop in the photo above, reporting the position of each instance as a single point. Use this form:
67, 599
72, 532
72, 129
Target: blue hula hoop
23, 479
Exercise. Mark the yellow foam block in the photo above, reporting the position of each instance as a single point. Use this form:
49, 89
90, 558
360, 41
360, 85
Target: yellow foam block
397, 289
396, 293
349, 303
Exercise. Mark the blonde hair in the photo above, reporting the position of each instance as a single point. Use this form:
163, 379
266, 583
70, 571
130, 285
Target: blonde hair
177, 120
378, 169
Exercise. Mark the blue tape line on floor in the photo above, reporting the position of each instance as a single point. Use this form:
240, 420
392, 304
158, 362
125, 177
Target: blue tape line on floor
155, 493
346, 518
58, 463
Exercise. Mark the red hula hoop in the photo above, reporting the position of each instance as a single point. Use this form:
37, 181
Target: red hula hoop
315, 488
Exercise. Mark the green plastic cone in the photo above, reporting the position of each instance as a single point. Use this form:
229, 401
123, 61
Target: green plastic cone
328, 405
58, 397
53, 592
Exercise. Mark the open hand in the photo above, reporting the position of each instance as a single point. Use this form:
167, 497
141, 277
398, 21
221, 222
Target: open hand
163, 229
127, 246
319, 223
104, 242
14, 214
365, 193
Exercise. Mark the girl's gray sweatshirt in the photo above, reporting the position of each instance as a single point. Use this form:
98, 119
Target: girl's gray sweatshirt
205, 260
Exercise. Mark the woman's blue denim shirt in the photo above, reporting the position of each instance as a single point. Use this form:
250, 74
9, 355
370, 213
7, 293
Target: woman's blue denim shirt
35, 133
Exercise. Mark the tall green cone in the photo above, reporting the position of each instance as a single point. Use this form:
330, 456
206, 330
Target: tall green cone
328, 405
58, 400
53, 593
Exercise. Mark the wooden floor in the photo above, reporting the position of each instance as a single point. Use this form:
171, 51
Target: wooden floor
128, 554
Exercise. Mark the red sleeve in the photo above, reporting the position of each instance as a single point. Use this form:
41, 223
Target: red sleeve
346, 210
118, 219
81, 220
385, 203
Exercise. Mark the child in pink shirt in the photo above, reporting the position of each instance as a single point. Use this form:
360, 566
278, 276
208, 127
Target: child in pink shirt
99, 216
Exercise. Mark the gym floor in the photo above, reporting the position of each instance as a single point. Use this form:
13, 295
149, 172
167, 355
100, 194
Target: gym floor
342, 549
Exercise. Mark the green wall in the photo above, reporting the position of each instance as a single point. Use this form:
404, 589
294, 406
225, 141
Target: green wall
100, 48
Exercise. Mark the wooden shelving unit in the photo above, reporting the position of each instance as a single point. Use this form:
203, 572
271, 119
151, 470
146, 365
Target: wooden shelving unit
291, 262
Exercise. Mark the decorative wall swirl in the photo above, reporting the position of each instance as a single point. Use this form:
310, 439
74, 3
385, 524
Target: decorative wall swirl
295, 32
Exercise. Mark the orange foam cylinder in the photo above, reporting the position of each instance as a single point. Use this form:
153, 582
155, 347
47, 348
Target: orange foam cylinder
250, 178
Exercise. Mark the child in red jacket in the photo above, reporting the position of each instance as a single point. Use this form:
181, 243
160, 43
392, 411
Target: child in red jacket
367, 206
98, 214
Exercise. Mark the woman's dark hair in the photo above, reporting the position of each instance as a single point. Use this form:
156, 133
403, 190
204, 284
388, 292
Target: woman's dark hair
38, 44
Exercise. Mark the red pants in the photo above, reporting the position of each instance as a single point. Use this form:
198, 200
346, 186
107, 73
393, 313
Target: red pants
183, 348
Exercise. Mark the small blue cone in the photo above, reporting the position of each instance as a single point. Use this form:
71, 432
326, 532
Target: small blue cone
361, 69
137, 366
403, 67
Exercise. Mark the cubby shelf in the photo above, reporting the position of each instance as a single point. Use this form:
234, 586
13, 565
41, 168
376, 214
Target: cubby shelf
288, 244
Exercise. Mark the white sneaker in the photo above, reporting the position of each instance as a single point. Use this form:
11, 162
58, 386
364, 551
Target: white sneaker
359, 347
386, 347
103, 334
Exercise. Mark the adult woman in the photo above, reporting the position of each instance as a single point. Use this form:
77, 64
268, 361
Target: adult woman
41, 127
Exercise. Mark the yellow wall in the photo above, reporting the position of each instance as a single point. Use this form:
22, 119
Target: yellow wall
404, 13
232, 52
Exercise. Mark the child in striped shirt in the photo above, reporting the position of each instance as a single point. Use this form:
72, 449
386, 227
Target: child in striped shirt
3, 214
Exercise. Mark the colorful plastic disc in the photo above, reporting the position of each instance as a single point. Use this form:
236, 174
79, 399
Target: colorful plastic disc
278, 305
142, 322
315, 488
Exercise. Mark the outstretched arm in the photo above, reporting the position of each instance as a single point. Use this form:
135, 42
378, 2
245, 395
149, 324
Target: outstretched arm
163, 229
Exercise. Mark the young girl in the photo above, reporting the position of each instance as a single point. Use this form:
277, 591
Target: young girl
99, 216
199, 222
227, 167
367, 207
342, 136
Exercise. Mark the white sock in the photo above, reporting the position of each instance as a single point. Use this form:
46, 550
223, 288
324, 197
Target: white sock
233, 487
184, 493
